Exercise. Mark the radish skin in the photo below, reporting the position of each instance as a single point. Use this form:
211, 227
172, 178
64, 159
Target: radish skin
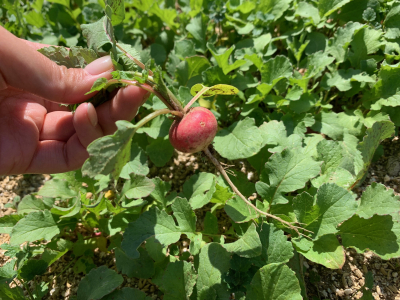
194, 132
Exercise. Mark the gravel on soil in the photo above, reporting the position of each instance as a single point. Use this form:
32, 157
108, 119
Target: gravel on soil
322, 283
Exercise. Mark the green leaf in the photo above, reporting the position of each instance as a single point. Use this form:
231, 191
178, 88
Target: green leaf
340, 79
156, 251
221, 195
98, 283
167, 15
274, 134
57, 188
109, 154
380, 234
142, 267
34, 18
139, 187
7, 270
151, 223
219, 89
35, 226
365, 41
239, 211
197, 28
307, 10
369, 15
210, 224
98, 85
7, 293
160, 151
184, 48
184, 215
333, 205
213, 262
286, 172
274, 282
375, 135
199, 189
159, 127
29, 204
249, 245
32, 268
327, 7
73, 57
118, 11
51, 256
273, 71
328, 123
138, 163
275, 246
127, 293
325, 251
274, 7
191, 68
97, 36
178, 281
392, 23
339, 43
222, 59
377, 200
240, 140
7, 223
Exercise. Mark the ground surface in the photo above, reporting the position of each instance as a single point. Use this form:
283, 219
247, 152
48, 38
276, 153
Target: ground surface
322, 283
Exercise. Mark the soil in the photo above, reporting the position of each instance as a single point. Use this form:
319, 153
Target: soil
322, 283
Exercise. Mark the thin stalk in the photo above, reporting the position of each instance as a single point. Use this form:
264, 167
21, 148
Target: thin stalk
194, 99
64, 269
143, 86
28, 290
139, 63
234, 188
151, 116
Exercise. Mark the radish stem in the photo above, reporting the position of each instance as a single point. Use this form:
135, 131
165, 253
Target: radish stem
234, 188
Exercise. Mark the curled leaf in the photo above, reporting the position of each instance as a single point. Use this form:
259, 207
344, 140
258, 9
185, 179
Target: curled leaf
218, 89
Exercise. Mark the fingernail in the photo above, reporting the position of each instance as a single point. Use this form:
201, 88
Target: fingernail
92, 114
99, 65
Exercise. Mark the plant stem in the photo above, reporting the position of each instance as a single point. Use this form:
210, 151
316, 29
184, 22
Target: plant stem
139, 63
27, 289
151, 116
234, 188
144, 86
194, 99
64, 269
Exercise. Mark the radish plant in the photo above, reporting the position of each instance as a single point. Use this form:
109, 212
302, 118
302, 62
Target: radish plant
301, 93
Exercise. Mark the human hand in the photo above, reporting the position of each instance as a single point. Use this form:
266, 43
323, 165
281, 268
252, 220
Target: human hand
36, 134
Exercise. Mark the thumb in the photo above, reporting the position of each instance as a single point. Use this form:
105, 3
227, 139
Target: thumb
26, 69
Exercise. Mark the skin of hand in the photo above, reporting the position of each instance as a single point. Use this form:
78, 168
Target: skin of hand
37, 135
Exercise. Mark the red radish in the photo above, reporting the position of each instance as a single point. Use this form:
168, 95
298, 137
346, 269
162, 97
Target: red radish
194, 132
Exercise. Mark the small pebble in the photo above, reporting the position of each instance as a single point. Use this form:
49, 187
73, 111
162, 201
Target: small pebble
348, 292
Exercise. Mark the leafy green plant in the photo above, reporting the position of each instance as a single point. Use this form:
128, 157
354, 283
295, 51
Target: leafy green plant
304, 92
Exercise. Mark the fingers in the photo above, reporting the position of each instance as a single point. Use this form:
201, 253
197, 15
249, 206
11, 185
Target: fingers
123, 106
58, 157
86, 124
57, 126
24, 68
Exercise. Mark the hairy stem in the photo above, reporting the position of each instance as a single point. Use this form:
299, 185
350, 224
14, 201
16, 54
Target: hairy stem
139, 63
234, 188
143, 86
